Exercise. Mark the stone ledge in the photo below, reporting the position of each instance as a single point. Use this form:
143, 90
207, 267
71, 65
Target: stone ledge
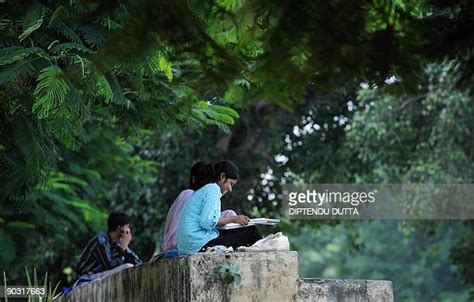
326, 290
266, 276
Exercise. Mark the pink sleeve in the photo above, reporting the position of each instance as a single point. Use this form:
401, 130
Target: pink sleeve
172, 219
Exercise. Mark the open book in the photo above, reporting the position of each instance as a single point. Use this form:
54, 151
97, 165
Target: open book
255, 221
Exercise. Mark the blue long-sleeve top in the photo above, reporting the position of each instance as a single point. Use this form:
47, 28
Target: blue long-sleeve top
198, 220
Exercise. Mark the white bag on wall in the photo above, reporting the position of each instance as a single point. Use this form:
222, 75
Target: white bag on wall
273, 242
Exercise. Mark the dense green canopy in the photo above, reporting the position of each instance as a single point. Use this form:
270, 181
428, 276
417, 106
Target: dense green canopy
106, 105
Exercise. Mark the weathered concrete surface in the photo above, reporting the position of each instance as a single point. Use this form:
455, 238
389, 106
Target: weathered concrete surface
342, 290
266, 276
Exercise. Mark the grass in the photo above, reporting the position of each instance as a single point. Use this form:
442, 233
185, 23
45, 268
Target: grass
50, 291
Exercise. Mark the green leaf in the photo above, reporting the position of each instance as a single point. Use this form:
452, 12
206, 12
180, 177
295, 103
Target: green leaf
21, 225
229, 273
231, 5
103, 88
202, 105
66, 31
50, 91
36, 153
88, 211
118, 97
28, 276
223, 118
165, 66
70, 46
17, 71
234, 268
237, 279
158, 62
64, 187
94, 35
14, 54
59, 13
225, 110
32, 21
234, 94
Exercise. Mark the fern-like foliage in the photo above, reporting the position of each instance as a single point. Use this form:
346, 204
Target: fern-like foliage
33, 19
50, 92
95, 36
17, 71
64, 115
52, 81
14, 54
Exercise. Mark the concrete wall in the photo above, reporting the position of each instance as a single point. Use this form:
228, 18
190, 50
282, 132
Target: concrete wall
329, 290
266, 276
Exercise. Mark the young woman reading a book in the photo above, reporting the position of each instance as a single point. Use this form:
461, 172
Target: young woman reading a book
201, 174
200, 216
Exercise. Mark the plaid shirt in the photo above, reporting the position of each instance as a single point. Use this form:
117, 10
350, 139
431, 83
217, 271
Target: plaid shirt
99, 255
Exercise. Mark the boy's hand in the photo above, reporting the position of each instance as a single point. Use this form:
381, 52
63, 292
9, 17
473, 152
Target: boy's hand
126, 237
241, 219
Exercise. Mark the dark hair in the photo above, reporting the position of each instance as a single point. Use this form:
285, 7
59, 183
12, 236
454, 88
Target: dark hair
227, 167
117, 219
195, 173
202, 173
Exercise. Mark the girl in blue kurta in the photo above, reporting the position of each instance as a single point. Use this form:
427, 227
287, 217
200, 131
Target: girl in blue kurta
202, 214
